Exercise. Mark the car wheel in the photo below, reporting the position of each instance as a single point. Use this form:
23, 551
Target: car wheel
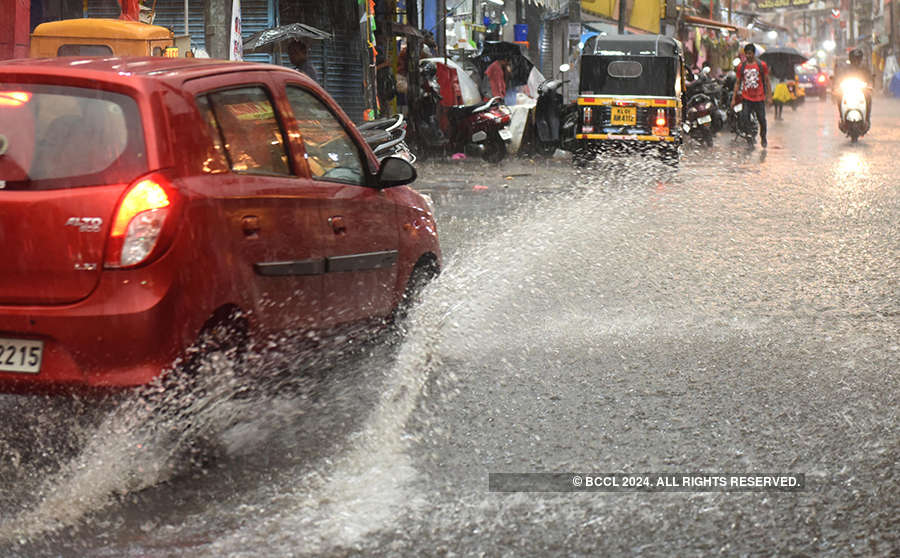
423, 273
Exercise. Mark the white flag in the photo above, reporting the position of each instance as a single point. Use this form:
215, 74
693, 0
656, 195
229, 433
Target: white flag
236, 43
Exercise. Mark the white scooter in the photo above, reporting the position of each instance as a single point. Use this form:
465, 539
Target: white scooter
853, 107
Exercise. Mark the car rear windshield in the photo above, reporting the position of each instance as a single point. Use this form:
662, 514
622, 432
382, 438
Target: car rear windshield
55, 137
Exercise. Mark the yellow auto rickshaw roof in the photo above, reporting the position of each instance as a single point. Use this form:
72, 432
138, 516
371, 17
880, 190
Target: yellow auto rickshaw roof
97, 28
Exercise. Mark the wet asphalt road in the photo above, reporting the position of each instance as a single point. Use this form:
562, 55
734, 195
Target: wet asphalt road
739, 315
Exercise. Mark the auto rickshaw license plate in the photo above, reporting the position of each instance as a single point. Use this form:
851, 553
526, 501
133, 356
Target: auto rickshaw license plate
624, 116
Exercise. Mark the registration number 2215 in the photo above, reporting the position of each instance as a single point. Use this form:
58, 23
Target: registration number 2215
20, 355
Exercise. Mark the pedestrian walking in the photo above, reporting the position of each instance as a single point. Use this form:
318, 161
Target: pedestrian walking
752, 88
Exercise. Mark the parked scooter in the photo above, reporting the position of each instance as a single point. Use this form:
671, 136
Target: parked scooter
482, 127
387, 138
853, 107
554, 121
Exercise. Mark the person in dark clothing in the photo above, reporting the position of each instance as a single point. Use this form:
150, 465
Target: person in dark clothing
752, 89
857, 68
298, 53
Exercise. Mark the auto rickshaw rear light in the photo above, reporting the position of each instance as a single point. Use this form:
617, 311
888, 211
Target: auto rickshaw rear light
14, 98
660, 117
588, 115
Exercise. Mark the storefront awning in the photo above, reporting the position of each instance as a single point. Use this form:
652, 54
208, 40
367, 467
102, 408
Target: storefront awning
711, 23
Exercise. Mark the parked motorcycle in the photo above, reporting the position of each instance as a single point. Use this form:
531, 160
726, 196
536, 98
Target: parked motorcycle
698, 118
853, 106
387, 138
554, 121
714, 89
481, 127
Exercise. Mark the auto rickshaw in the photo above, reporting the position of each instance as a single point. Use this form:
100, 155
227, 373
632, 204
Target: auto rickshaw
101, 37
630, 95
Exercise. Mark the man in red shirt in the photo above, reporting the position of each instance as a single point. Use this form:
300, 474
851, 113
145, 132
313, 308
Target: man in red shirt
752, 89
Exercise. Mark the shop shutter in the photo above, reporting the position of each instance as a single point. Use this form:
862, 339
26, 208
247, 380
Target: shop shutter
104, 8
171, 14
256, 15
338, 61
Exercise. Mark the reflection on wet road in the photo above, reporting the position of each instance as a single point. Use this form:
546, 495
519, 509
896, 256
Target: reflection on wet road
740, 314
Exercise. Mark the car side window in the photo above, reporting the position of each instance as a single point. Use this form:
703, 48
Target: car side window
247, 129
331, 153
215, 160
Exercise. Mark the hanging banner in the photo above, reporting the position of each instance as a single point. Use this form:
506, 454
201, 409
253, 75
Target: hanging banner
641, 14
235, 43
774, 4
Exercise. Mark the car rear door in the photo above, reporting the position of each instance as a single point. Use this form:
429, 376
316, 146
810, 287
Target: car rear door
66, 156
270, 216
361, 236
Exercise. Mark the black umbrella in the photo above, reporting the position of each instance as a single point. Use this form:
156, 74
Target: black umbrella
264, 41
781, 61
500, 50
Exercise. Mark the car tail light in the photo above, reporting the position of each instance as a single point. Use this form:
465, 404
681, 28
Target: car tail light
660, 117
14, 98
140, 221
820, 78
588, 115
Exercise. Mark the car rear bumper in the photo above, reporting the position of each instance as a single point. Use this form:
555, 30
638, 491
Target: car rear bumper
124, 334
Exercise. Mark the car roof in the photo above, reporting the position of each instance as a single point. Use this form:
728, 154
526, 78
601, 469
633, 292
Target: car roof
173, 71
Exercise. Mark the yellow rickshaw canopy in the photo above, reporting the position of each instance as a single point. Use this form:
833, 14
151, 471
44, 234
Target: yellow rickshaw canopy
97, 28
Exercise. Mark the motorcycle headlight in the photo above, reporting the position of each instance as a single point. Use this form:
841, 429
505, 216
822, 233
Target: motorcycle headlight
852, 85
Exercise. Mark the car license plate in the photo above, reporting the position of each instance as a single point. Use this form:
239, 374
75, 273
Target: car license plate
505, 134
705, 119
624, 116
806, 85
21, 355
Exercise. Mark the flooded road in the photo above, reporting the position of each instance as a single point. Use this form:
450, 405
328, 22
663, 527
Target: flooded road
740, 314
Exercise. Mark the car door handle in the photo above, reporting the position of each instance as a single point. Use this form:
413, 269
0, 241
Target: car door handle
250, 226
337, 224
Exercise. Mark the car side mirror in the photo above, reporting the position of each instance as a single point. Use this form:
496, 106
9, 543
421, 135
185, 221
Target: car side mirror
395, 171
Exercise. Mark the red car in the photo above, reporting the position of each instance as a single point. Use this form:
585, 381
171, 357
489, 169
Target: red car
147, 201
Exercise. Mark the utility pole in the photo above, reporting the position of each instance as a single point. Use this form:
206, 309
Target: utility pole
217, 22
852, 31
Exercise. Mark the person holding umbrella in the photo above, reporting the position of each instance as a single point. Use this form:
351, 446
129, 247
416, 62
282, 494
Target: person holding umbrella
298, 53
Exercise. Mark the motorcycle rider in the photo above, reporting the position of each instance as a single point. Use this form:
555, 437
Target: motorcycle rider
858, 69
752, 89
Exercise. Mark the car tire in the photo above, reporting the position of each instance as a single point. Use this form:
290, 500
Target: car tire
423, 273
